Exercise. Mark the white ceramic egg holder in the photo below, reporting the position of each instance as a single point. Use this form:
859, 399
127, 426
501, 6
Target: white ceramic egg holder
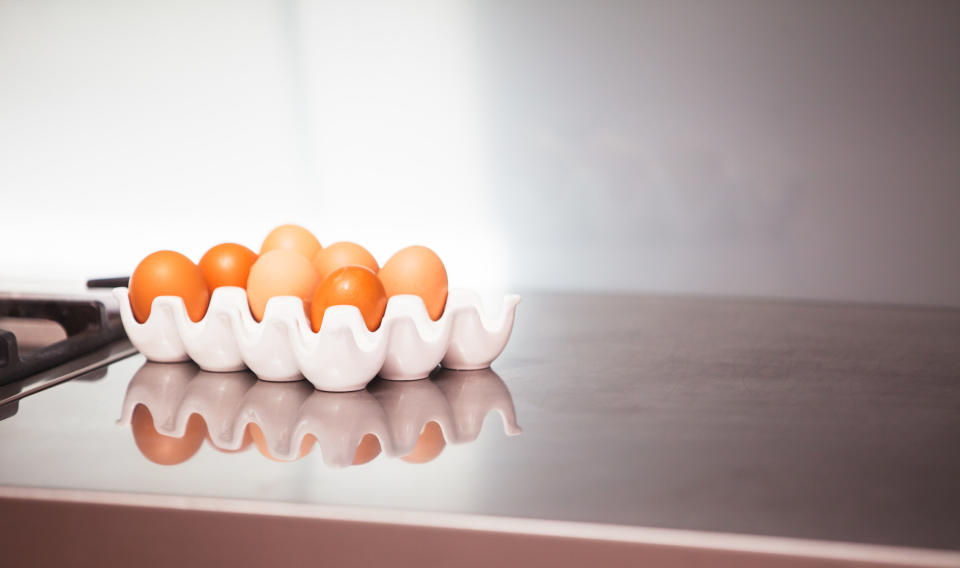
343, 356
286, 413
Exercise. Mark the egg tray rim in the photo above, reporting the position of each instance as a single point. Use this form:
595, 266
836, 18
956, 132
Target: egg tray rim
287, 312
508, 302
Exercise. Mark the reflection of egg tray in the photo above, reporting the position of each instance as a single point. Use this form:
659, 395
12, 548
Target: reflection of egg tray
343, 356
292, 413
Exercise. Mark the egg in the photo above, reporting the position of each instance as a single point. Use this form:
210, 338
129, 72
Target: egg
342, 254
166, 450
350, 286
244, 443
280, 272
419, 271
429, 444
227, 264
168, 273
260, 440
367, 449
291, 237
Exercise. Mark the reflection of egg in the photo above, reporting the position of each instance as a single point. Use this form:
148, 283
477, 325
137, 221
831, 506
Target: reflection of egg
264, 448
166, 450
429, 444
419, 271
244, 443
350, 286
291, 237
367, 449
168, 273
279, 273
227, 264
343, 254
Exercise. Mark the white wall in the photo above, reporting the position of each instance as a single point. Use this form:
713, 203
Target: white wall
803, 149
781, 148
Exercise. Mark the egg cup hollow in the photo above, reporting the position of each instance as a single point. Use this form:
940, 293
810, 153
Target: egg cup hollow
342, 356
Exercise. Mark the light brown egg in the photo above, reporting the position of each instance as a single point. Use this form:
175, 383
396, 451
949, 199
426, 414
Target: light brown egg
291, 237
280, 272
419, 271
343, 254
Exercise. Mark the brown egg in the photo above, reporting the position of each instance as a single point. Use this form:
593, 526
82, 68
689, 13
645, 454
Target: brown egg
291, 237
227, 264
280, 272
166, 450
419, 271
350, 286
429, 444
343, 254
168, 273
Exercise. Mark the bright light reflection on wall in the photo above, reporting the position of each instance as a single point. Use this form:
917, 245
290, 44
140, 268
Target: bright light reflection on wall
393, 105
129, 130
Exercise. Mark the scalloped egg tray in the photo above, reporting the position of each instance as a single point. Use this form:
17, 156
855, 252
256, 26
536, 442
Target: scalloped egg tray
343, 356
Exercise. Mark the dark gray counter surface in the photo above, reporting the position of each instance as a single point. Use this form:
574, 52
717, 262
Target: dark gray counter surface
834, 422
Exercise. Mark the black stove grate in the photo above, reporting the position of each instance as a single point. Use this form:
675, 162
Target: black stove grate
88, 323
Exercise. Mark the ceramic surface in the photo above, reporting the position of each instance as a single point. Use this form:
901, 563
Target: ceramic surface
343, 356
290, 416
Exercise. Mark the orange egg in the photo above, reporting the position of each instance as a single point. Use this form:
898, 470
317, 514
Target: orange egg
227, 264
168, 273
419, 271
166, 450
342, 254
291, 237
280, 272
350, 286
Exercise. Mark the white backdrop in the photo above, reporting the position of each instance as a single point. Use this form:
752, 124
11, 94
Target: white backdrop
791, 149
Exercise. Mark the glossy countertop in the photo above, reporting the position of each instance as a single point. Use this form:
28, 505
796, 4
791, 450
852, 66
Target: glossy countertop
833, 422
